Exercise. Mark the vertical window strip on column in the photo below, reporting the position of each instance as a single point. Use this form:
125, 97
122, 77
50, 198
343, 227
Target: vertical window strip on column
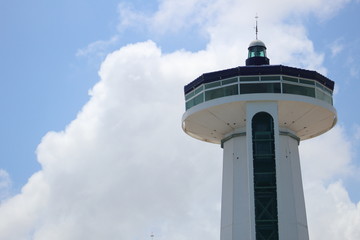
266, 216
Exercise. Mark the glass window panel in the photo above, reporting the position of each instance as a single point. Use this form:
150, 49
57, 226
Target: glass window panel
309, 82
262, 147
231, 90
189, 104
319, 85
298, 90
257, 52
270, 78
249, 79
199, 89
328, 91
199, 99
262, 132
323, 96
264, 164
290, 79
320, 95
213, 84
265, 179
189, 95
221, 92
212, 94
260, 88
329, 99
228, 81
195, 101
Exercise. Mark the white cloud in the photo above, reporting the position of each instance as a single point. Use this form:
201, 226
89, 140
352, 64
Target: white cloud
331, 214
336, 47
98, 47
5, 184
357, 132
130, 18
325, 161
124, 168
327, 157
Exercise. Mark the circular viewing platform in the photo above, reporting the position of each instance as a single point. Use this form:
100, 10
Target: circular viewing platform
215, 102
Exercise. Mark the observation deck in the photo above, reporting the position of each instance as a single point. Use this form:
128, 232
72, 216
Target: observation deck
215, 101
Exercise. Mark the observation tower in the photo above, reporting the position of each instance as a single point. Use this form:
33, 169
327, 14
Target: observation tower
258, 114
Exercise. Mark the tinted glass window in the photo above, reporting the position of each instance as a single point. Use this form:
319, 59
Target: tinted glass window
260, 88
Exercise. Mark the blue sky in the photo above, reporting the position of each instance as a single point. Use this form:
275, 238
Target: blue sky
51, 53
44, 83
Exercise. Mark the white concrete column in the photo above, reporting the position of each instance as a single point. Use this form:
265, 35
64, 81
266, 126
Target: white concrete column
237, 204
291, 204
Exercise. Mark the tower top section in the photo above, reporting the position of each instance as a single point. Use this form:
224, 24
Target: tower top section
257, 54
257, 50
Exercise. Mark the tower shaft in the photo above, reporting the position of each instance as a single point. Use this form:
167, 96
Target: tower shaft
262, 194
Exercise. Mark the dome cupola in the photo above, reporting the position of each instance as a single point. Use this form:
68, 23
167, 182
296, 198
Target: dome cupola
257, 54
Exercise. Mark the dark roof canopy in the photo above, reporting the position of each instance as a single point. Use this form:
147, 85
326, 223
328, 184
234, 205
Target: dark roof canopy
259, 70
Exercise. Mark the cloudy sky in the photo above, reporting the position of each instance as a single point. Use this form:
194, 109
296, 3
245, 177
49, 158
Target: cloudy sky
92, 99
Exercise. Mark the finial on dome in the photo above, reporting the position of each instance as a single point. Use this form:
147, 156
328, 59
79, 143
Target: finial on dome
256, 26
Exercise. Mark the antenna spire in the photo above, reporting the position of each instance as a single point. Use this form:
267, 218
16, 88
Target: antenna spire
256, 26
